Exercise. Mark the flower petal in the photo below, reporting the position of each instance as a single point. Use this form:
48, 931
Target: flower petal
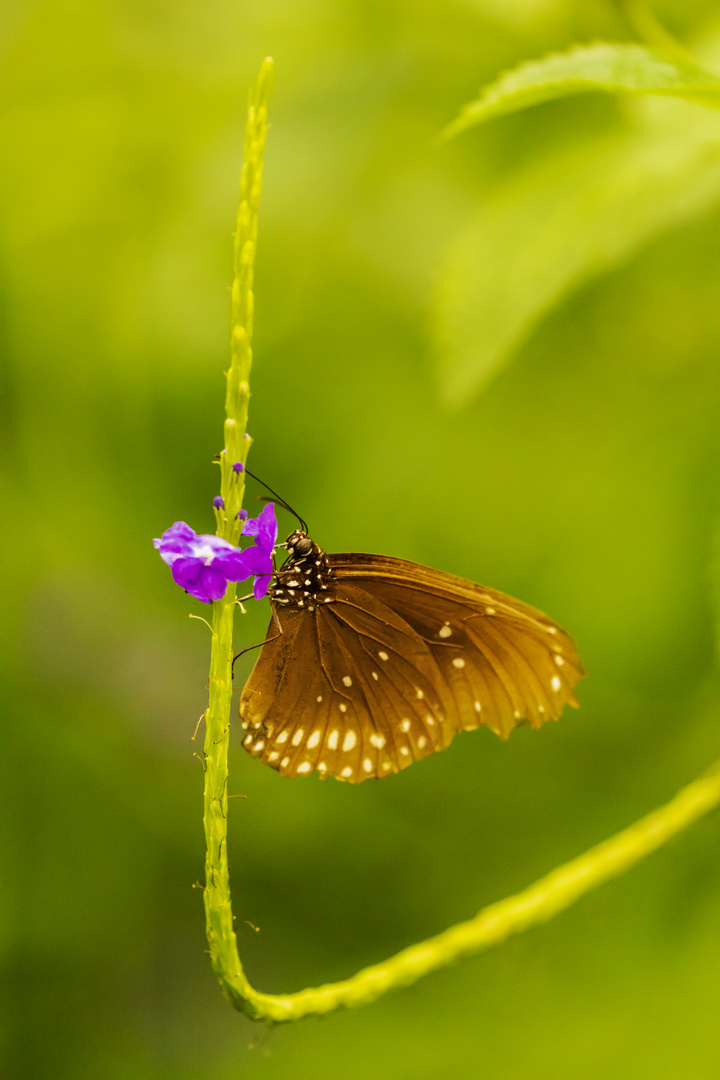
174, 541
185, 571
203, 582
235, 565
211, 585
268, 528
264, 527
202, 563
260, 585
256, 561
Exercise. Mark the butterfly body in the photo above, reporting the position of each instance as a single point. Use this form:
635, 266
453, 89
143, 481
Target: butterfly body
371, 663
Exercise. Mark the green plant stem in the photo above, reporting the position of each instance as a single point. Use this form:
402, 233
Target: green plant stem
218, 910
491, 926
495, 924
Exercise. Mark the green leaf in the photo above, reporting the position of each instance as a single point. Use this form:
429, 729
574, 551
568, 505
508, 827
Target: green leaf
627, 69
562, 221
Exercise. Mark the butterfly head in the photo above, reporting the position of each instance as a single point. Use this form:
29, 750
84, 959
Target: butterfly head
304, 579
299, 545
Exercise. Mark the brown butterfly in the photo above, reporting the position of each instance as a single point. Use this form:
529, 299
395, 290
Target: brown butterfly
371, 663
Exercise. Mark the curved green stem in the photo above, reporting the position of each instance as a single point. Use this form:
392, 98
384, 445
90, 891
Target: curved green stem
491, 926
496, 923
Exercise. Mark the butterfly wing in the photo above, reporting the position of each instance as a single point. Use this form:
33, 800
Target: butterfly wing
502, 661
398, 660
348, 690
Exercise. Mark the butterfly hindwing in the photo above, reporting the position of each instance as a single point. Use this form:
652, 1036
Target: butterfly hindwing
347, 702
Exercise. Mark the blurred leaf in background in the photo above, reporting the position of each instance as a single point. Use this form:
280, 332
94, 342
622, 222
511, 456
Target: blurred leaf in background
584, 480
571, 215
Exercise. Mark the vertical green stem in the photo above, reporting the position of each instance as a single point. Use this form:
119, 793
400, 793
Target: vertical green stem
218, 909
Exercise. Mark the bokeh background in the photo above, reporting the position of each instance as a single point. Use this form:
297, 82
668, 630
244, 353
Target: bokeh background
583, 479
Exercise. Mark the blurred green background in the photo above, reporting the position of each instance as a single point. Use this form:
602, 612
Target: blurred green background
583, 480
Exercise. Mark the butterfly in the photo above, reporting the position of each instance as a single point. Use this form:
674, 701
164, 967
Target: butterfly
372, 662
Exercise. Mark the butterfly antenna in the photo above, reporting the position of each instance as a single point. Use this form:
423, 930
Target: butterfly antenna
280, 499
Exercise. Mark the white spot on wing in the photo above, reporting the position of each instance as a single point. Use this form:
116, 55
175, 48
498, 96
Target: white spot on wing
273, 755
559, 660
419, 694
374, 675
298, 737
319, 698
285, 762
555, 683
333, 739
367, 765
349, 740
489, 610
282, 737
444, 631
383, 655
314, 739
305, 767
458, 662
404, 750
405, 725
478, 707
378, 740
422, 741
346, 772
343, 707
347, 680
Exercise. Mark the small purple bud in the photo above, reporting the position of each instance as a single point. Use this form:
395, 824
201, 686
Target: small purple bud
238, 467
246, 435
218, 502
242, 515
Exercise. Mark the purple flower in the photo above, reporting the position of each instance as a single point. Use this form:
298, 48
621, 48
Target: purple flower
264, 529
219, 502
203, 564
242, 515
238, 467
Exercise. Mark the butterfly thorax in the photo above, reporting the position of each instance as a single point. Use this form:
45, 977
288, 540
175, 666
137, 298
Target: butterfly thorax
305, 578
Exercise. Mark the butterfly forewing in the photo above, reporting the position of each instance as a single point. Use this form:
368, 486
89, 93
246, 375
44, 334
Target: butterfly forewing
378, 662
508, 659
